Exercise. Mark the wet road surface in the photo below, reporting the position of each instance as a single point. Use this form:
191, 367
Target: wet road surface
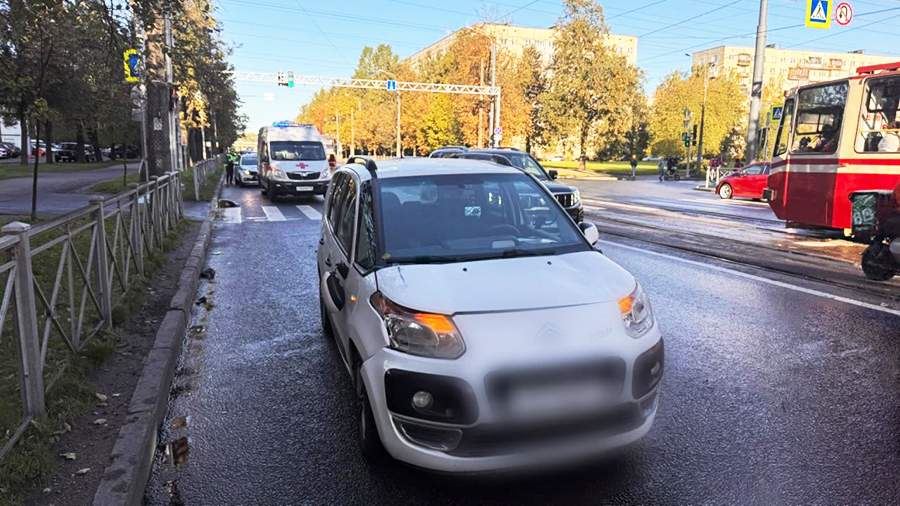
770, 395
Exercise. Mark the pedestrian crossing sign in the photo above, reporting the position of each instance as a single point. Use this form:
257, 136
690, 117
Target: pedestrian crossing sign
818, 14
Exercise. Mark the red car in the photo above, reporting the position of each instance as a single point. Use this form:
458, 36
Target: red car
747, 183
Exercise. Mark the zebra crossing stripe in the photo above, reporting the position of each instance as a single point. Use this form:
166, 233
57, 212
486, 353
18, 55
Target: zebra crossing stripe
273, 213
310, 212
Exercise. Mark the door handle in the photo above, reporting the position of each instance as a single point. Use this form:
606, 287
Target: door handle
327, 261
342, 269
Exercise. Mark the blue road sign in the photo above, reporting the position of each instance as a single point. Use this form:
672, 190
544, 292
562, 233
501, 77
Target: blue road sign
818, 14
391, 85
777, 112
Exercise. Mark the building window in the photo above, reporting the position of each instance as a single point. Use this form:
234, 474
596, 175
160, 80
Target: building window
744, 60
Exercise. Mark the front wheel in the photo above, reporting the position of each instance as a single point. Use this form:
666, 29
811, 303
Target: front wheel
726, 191
872, 263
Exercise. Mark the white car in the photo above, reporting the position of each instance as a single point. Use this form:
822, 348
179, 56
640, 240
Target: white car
245, 172
481, 328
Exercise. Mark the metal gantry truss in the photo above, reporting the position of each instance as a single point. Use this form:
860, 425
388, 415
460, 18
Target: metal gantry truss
371, 84
390, 85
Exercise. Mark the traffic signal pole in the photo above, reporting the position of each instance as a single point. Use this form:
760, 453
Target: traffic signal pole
756, 89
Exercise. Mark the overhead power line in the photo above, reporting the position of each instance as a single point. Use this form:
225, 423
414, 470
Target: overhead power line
686, 20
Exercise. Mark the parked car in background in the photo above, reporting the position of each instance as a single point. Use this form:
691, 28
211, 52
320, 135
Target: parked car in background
11, 149
749, 182
66, 152
117, 151
447, 151
246, 170
567, 195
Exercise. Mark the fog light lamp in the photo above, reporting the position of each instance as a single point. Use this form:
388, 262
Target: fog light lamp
422, 400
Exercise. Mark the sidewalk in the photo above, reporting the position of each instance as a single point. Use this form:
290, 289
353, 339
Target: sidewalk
58, 192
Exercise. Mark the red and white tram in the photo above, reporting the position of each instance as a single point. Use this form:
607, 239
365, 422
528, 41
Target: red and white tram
835, 138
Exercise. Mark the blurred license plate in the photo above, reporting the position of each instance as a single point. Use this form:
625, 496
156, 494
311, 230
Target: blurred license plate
559, 398
304, 188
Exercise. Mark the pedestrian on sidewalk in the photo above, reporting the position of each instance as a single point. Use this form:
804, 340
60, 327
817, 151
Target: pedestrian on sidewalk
229, 168
661, 167
633, 167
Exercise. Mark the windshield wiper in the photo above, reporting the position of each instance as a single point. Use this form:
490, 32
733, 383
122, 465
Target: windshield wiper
517, 252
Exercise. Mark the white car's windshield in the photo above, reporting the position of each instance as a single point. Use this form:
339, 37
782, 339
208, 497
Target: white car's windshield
297, 150
248, 160
471, 216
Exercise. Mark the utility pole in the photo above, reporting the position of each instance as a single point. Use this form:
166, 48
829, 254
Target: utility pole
703, 116
337, 135
756, 89
352, 132
481, 107
399, 146
495, 100
159, 121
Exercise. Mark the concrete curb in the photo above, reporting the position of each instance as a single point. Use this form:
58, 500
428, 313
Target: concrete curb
131, 460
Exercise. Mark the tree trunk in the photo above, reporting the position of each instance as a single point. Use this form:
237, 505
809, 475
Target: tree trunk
582, 144
34, 177
23, 140
79, 142
94, 136
48, 157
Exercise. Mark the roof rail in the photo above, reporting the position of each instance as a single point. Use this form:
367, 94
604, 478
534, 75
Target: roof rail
366, 162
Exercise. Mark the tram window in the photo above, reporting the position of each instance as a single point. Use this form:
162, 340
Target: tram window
879, 125
784, 128
819, 114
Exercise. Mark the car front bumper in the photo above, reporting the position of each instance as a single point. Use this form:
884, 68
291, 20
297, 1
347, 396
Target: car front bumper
488, 442
300, 187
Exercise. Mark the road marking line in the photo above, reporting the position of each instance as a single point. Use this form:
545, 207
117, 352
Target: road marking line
273, 213
781, 284
231, 215
310, 212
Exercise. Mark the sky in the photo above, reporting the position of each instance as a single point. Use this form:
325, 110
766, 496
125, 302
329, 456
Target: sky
325, 38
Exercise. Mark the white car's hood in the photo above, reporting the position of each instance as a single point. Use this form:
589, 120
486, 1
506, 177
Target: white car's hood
506, 284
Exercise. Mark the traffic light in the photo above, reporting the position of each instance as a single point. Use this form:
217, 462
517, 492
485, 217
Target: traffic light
290, 79
694, 136
279, 77
686, 139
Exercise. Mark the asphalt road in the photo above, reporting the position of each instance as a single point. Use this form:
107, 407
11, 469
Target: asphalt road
771, 395
58, 192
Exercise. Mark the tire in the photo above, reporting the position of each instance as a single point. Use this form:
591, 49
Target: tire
369, 440
262, 188
871, 266
726, 191
327, 329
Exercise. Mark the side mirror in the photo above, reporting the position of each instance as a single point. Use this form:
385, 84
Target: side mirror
590, 232
552, 173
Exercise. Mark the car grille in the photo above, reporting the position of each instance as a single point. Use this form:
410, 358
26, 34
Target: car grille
566, 199
499, 439
302, 177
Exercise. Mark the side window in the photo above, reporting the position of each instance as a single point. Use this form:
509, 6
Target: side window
753, 170
784, 128
347, 216
337, 191
879, 124
820, 111
365, 229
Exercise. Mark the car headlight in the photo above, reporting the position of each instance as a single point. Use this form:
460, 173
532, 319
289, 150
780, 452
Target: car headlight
417, 333
637, 315
327, 173
576, 197
278, 174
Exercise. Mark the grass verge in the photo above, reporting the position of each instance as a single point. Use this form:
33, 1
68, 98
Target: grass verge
207, 187
612, 168
71, 395
115, 185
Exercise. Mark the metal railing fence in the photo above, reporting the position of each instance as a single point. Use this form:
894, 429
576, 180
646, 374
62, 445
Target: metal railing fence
85, 260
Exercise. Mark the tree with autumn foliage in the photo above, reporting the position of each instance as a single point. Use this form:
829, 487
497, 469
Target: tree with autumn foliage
681, 91
590, 83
